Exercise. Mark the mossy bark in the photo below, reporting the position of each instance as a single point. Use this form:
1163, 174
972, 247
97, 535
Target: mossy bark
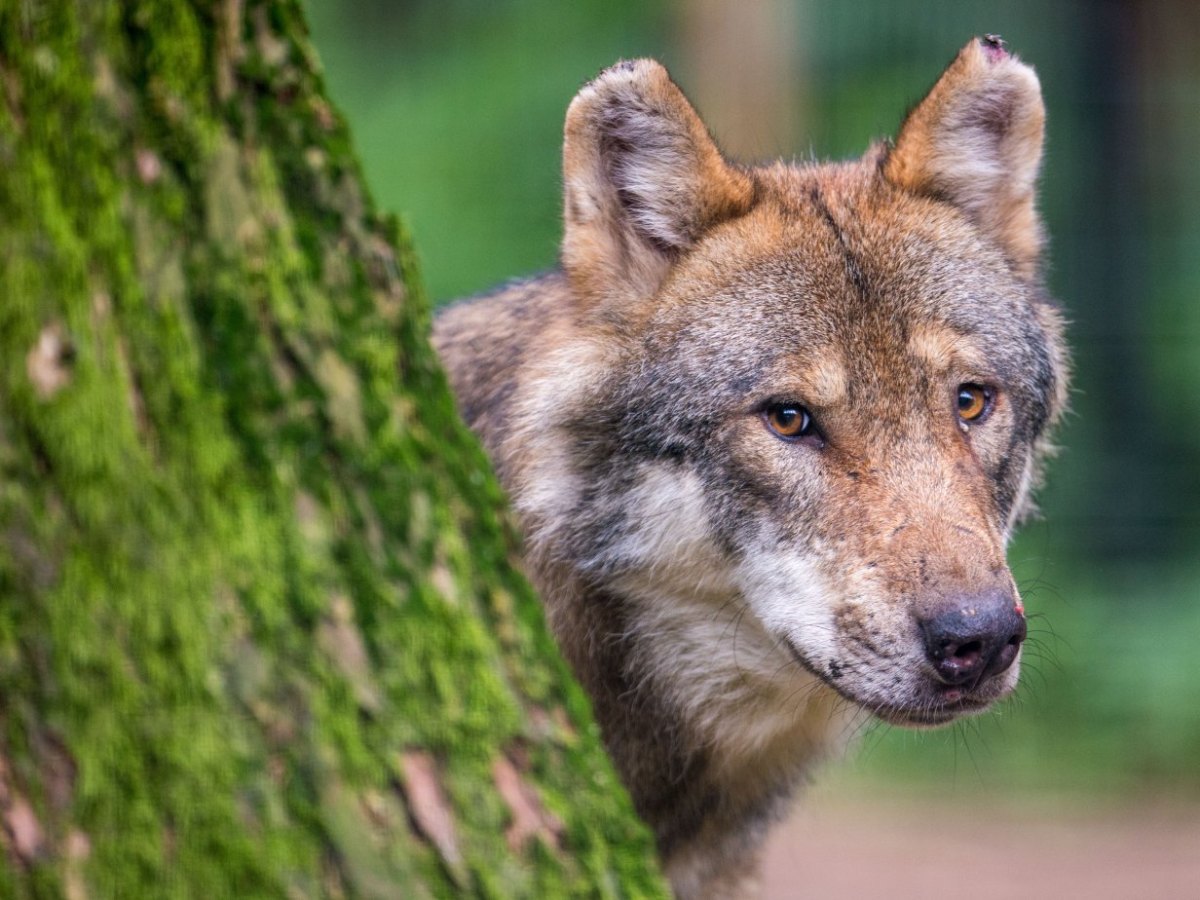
260, 634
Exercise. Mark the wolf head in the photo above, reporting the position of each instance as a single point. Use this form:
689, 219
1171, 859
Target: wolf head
799, 408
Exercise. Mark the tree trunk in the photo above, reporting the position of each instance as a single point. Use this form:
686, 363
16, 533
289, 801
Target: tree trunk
260, 634
743, 65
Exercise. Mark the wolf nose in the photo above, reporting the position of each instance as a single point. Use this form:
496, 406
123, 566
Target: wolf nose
974, 638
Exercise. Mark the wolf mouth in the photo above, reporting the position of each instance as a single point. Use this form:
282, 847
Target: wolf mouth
931, 714
944, 707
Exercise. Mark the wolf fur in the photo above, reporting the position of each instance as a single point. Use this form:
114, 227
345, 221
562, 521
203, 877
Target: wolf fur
733, 597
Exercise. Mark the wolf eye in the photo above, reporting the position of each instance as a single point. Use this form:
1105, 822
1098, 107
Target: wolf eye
790, 421
973, 401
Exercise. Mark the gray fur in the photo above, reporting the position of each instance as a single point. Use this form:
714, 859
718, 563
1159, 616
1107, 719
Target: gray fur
734, 602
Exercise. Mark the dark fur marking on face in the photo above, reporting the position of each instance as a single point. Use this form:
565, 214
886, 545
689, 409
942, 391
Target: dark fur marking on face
1006, 478
738, 496
853, 269
1044, 383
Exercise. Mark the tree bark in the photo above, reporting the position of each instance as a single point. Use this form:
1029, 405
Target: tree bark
743, 65
260, 634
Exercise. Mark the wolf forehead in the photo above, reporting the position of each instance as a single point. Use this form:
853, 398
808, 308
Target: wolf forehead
668, 240
836, 284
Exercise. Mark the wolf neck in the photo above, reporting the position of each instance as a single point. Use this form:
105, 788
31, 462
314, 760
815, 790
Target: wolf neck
706, 719
736, 690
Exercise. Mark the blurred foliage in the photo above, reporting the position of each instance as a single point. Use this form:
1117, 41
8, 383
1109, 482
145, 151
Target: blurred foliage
457, 109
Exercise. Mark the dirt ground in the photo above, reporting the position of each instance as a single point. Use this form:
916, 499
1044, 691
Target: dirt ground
900, 848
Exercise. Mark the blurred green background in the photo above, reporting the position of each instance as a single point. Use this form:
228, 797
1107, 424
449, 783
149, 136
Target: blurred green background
456, 107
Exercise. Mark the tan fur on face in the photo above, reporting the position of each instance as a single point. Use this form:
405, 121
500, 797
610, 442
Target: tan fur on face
942, 349
827, 382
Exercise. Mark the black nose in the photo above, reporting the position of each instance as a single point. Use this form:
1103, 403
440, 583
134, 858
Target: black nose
974, 637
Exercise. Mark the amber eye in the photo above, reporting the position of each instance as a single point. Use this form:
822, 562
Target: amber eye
973, 401
790, 421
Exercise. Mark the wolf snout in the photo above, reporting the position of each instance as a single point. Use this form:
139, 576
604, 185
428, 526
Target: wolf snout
974, 638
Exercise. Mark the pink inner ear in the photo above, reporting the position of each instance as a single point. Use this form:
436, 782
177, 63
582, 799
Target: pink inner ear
993, 47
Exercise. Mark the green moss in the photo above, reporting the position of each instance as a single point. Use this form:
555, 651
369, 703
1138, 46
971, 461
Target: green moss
250, 553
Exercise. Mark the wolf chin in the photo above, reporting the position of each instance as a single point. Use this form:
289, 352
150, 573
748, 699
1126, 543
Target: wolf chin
767, 431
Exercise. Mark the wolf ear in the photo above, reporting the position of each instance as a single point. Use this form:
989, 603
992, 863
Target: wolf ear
976, 141
642, 178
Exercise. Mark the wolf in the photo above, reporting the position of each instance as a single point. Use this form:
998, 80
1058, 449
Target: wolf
767, 430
